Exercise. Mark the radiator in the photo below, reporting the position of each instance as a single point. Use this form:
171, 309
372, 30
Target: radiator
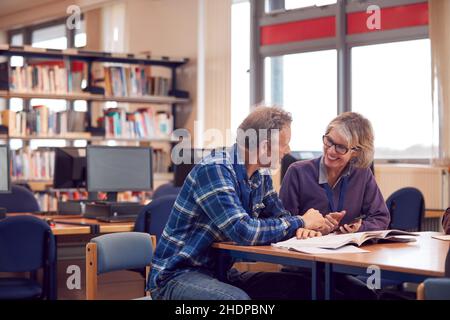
433, 182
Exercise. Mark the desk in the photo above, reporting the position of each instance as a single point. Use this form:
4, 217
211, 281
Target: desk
272, 255
411, 262
64, 224
406, 262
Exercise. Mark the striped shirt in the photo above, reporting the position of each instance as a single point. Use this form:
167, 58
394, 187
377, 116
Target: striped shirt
215, 205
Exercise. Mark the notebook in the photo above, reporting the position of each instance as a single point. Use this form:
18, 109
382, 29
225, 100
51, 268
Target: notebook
336, 241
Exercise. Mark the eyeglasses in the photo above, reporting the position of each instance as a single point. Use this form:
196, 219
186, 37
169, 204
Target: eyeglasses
341, 149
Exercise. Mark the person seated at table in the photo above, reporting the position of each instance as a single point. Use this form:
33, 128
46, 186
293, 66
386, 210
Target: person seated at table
340, 183
341, 186
446, 221
229, 196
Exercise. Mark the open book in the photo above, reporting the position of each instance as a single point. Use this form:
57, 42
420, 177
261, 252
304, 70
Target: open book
335, 241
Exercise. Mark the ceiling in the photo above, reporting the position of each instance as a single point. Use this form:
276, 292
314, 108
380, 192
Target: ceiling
12, 6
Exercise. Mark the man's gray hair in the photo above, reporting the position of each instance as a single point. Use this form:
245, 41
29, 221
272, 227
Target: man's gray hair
260, 124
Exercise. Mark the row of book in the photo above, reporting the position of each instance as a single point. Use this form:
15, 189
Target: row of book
29, 164
142, 124
130, 81
42, 121
161, 161
48, 201
52, 77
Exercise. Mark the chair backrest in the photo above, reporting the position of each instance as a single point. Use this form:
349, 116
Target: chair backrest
28, 244
166, 189
407, 208
153, 217
19, 200
114, 252
434, 289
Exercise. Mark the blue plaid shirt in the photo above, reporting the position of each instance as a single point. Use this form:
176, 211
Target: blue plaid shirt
219, 203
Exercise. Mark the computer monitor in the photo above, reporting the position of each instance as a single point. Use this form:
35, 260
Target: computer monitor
5, 181
70, 168
295, 156
116, 169
189, 157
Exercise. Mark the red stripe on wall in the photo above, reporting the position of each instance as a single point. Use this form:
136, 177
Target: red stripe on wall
298, 31
412, 15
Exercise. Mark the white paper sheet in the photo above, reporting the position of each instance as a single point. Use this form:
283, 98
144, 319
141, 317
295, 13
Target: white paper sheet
345, 249
445, 237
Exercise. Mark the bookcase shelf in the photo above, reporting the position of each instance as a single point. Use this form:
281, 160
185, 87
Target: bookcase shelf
84, 137
94, 97
91, 56
59, 75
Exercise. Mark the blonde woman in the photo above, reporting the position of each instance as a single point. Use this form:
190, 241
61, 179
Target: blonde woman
339, 184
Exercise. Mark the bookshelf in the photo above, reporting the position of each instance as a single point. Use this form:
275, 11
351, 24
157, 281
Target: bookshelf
59, 74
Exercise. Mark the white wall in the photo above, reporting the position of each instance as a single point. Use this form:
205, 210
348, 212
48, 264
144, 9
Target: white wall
168, 28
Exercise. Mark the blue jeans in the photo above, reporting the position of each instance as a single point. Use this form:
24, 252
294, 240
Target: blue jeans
196, 285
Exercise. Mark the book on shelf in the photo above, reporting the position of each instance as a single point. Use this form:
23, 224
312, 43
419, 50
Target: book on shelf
50, 77
29, 164
160, 161
141, 124
335, 241
129, 81
41, 121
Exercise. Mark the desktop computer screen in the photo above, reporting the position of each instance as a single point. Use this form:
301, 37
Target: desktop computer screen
70, 168
181, 170
5, 185
115, 169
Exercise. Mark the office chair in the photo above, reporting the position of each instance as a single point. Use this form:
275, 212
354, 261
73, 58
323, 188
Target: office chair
19, 200
434, 289
407, 207
27, 244
165, 190
114, 252
153, 217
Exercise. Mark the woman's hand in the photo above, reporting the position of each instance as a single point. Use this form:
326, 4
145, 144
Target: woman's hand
351, 228
303, 233
332, 222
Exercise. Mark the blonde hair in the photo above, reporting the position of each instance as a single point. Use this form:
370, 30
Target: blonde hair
358, 132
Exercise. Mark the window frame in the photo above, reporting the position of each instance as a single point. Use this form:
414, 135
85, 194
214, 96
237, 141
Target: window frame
27, 31
342, 42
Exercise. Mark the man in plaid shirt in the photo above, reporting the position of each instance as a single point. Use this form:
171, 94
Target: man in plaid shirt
229, 196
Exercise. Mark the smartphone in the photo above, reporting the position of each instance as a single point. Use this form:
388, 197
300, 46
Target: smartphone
354, 220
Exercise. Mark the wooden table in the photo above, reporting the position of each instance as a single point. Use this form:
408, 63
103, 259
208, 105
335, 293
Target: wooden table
405, 262
271, 255
75, 225
411, 262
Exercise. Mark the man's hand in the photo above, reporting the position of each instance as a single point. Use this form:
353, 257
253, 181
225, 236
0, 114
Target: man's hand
303, 233
313, 220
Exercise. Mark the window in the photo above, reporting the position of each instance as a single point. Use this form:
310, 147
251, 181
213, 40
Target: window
391, 86
80, 35
53, 37
273, 5
385, 73
305, 85
240, 63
